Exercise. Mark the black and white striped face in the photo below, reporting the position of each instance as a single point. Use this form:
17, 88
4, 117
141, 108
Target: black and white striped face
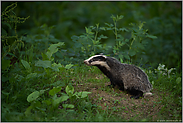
97, 60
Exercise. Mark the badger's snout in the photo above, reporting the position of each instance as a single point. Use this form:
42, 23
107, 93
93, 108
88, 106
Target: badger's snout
86, 62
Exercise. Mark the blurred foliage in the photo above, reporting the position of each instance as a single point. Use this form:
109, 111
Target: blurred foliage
163, 19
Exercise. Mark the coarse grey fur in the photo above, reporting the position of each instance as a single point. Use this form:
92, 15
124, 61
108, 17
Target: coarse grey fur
127, 77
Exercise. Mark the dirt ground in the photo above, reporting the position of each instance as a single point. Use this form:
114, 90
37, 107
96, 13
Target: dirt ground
120, 103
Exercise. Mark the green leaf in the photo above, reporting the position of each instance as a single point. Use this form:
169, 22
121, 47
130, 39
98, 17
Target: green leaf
19, 77
126, 56
44, 64
56, 66
5, 93
68, 66
141, 24
59, 100
120, 17
48, 102
83, 94
5, 64
121, 58
28, 111
33, 96
110, 25
53, 91
7, 24
58, 83
44, 56
132, 52
102, 36
69, 90
26, 64
86, 29
63, 98
151, 36
178, 80
41, 92
113, 17
123, 29
31, 75
126, 40
53, 49
102, 28
137, 44
68, 105
75, 38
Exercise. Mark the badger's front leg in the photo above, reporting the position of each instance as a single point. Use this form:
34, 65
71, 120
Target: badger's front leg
112, 85
136, 94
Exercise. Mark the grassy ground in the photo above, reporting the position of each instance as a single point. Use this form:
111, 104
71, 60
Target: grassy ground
160, 106
103, 104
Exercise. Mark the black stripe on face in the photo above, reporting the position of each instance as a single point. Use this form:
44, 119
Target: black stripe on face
97, 58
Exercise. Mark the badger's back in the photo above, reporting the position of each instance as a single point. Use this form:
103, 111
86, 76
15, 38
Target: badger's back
131, 76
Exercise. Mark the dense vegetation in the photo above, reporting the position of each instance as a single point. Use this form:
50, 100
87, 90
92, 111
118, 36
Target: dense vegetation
44, 45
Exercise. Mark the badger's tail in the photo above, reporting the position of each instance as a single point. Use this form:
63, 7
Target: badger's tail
147, 94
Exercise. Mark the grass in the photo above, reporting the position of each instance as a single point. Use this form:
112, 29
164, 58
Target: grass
103, 104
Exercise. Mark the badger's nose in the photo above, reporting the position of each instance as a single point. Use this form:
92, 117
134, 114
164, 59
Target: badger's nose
85, 61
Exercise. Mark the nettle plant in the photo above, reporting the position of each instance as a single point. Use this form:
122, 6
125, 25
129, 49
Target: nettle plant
10, 40
38, 103
46, 100
89, 43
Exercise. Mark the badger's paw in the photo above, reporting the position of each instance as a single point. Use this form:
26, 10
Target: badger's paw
147, 94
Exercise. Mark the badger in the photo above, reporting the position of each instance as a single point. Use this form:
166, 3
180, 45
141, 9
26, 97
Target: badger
125, 76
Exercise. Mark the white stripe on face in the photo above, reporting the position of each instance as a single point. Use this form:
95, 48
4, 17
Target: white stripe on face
95, 56
101, 63
87, 60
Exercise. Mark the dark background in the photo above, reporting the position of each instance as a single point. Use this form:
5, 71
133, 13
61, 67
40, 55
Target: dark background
163, 19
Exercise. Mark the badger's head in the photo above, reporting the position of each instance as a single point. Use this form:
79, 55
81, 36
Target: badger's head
97, 60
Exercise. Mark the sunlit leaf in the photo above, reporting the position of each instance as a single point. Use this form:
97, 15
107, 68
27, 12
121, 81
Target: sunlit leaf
59, 100
33, 96
44, 64
25, 64
68, 66
69, 90
55, 90
83, 94
68, 105
53, 49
